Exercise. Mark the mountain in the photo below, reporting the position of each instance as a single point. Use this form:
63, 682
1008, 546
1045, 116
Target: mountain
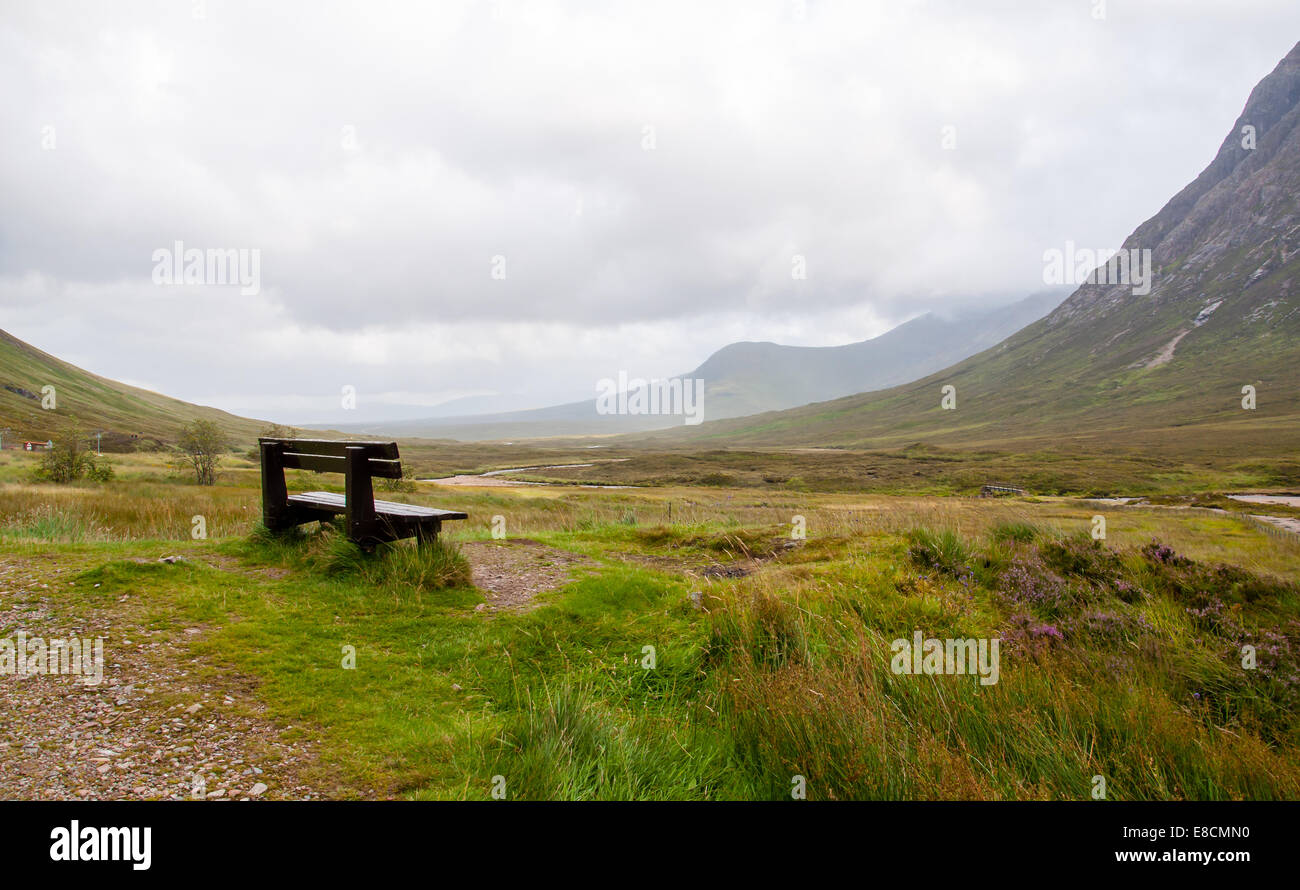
748, 378
1115, 368
127, 415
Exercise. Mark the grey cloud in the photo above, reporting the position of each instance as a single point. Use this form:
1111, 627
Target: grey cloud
521, 135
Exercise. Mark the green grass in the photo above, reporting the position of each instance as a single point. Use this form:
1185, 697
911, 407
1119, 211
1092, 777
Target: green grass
764, 687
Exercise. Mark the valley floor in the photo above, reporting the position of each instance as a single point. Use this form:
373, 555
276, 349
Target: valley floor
671, 642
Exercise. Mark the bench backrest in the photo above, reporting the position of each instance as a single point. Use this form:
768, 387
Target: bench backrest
358, 461
330, 455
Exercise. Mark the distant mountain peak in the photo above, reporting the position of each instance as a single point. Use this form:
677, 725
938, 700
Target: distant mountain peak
749, 377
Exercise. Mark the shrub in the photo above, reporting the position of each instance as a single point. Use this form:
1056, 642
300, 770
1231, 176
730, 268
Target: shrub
1029, 582
71, 460
1202, 586
1108, 627
1057, 577
1082, 557
1160, 554
1026, 634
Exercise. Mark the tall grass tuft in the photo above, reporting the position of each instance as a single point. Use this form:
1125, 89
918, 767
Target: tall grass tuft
433, 565
1013, 532
942, 550
48, 524
563, 745
764, 629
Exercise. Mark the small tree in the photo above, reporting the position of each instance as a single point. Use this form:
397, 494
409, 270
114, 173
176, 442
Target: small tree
71, 459
406, 483
274, 431
201, 444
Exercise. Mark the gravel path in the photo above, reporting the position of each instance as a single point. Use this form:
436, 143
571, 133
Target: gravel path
513, 572
151, 729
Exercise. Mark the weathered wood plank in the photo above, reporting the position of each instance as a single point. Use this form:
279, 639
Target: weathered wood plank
322, 463
336, 447
337, 503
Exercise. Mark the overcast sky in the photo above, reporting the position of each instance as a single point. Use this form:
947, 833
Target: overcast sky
648, 171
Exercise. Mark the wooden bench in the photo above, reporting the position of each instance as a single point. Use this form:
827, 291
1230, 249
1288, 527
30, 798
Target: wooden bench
369, 522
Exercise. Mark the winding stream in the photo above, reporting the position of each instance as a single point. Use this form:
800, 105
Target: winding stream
491, 478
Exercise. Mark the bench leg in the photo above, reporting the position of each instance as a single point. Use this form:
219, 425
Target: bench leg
275, 495
360, 496
427, 532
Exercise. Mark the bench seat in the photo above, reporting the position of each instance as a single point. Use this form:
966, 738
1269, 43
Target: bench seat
334, 504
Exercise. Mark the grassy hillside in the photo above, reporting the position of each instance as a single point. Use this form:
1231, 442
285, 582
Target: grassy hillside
126, 414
